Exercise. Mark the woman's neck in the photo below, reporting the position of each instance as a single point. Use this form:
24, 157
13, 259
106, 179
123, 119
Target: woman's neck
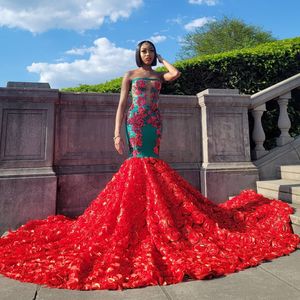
146, 68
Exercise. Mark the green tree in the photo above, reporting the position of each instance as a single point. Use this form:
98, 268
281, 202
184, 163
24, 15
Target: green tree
223, 35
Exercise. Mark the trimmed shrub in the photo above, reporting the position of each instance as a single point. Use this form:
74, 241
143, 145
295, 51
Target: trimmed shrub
112, 86
249, 70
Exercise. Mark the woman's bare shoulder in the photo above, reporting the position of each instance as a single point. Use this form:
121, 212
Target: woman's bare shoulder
131, 74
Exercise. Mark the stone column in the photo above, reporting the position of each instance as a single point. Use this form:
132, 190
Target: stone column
258, 134
284, 123
28, 183
227, 168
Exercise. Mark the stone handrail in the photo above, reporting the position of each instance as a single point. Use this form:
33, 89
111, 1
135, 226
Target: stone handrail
282, 92
275, 91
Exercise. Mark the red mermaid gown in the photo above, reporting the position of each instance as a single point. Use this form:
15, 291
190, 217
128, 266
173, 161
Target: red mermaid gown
148, 226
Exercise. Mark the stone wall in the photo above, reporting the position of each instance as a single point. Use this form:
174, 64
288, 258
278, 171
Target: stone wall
57, 152
56, 148
85, 158
28, 184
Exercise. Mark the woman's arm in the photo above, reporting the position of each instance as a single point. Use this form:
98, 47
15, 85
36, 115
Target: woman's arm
172, 73
118, 141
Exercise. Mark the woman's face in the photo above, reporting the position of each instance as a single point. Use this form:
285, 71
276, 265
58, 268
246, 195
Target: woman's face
147, 54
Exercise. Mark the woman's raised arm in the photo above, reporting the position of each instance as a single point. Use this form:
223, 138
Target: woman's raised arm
172, 73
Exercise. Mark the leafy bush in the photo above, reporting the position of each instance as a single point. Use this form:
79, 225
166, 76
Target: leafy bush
112, 86
249, 70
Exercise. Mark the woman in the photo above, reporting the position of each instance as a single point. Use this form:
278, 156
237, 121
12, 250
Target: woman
150, 80
148, 226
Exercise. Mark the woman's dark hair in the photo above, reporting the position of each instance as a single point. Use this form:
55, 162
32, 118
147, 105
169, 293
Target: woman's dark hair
138, 59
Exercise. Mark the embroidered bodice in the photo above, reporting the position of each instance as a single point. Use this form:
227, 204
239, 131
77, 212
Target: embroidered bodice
143, 124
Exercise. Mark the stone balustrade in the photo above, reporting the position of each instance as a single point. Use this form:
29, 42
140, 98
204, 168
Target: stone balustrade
282, 92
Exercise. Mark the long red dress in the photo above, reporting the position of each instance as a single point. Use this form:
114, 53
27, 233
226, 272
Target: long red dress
148, 226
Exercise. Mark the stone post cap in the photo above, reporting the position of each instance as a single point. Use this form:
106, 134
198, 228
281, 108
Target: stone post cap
28, 85
213, 92
223, 97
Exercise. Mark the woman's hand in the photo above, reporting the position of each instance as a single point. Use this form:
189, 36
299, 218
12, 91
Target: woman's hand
119, 144
159, 57
172, 73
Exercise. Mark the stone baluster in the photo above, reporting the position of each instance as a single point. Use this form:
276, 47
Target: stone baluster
258, 134
284, 123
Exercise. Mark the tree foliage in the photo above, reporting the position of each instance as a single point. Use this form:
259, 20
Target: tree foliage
221, 36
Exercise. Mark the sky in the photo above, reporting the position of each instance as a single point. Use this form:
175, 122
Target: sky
71, 42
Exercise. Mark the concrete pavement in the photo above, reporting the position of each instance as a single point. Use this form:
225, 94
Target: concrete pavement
276, 280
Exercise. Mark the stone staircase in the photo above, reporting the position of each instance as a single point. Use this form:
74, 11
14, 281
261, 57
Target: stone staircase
287, 189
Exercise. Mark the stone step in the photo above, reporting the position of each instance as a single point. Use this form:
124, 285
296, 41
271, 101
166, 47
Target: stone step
296, 229
284, 189
295, 217
290, 172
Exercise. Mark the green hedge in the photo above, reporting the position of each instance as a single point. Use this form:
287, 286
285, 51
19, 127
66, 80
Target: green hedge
112, 86
249, 70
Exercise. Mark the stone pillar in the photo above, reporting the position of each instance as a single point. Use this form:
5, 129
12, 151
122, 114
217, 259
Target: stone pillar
27, 182
227, 168
284, 123
258, 134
